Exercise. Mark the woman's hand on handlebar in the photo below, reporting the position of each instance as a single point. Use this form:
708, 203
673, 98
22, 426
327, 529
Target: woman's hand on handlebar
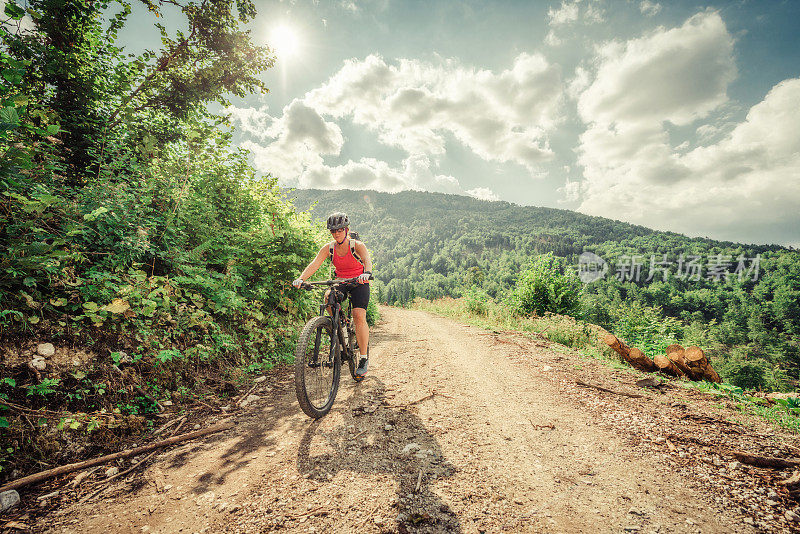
364, 278
297, 283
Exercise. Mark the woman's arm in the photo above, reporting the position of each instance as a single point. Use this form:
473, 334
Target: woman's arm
322, 255
364, 254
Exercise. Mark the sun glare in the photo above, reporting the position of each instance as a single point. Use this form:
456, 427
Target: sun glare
285, 42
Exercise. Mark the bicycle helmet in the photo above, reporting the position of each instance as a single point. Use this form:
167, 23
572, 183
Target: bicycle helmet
338, 220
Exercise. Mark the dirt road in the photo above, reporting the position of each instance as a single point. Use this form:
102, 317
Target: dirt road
456, 429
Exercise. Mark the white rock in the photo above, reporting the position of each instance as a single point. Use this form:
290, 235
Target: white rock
248, 400
547, 368
111, 471
410, 448
388, 427
260, 379
792, 516
79, 478
38, 364
733, 465
8, 499
45, 349
196, 427
166, 403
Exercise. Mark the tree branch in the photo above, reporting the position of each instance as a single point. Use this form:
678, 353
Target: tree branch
161, 68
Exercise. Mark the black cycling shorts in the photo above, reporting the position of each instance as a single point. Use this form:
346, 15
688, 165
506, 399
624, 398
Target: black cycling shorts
359, 295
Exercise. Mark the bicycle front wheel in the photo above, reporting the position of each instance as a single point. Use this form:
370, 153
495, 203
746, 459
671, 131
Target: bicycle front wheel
316, 370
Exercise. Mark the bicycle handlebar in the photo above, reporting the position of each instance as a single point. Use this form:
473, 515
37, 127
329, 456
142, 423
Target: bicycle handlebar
310, 285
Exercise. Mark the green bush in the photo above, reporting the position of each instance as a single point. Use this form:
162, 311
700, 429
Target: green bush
545, 286
645, 327
477, 301
373, 315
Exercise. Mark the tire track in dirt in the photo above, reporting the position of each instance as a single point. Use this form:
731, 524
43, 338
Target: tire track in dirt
492, 439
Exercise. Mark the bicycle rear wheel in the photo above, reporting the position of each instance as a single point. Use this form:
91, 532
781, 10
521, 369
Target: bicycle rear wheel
316, 370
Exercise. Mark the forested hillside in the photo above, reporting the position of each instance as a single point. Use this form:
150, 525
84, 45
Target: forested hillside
143, 261
741, 302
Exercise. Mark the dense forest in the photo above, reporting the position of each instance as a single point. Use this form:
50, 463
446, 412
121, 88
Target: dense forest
741, 302
143, 260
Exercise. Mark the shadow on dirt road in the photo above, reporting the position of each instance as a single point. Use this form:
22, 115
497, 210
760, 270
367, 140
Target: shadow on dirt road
376, 438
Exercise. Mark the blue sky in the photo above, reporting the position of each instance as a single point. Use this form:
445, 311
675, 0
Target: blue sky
680, 116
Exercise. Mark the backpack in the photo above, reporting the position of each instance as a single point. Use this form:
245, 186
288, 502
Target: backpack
353, 240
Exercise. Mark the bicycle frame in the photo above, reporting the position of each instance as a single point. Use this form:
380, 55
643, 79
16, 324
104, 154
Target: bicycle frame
335, 298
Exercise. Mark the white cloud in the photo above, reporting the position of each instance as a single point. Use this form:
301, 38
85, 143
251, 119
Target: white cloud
413, 105
483, 193
289, 144
369, 173
570, 191
649, 8
570, 13
739, 188
676, 75
566, 14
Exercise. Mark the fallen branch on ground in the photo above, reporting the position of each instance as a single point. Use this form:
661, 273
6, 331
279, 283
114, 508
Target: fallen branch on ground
549, 426
433, 394
69, 468
169, 424
140, 463
763, 461
316, 511
601, 388
243, 397
419, 480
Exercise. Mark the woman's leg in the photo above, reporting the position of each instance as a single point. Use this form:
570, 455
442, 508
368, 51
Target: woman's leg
362, 329
325, 299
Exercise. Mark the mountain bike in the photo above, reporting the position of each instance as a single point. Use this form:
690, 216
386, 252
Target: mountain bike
318, 356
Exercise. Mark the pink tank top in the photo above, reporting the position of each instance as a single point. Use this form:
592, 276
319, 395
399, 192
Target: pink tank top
346, 266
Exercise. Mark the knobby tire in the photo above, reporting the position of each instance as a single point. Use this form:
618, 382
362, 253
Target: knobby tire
311, 365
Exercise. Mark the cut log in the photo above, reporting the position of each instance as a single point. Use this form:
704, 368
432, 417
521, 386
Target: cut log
69, 468
666, 365
674, 348
696, 360
677, 358
633, 356
615, 343
640, 361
